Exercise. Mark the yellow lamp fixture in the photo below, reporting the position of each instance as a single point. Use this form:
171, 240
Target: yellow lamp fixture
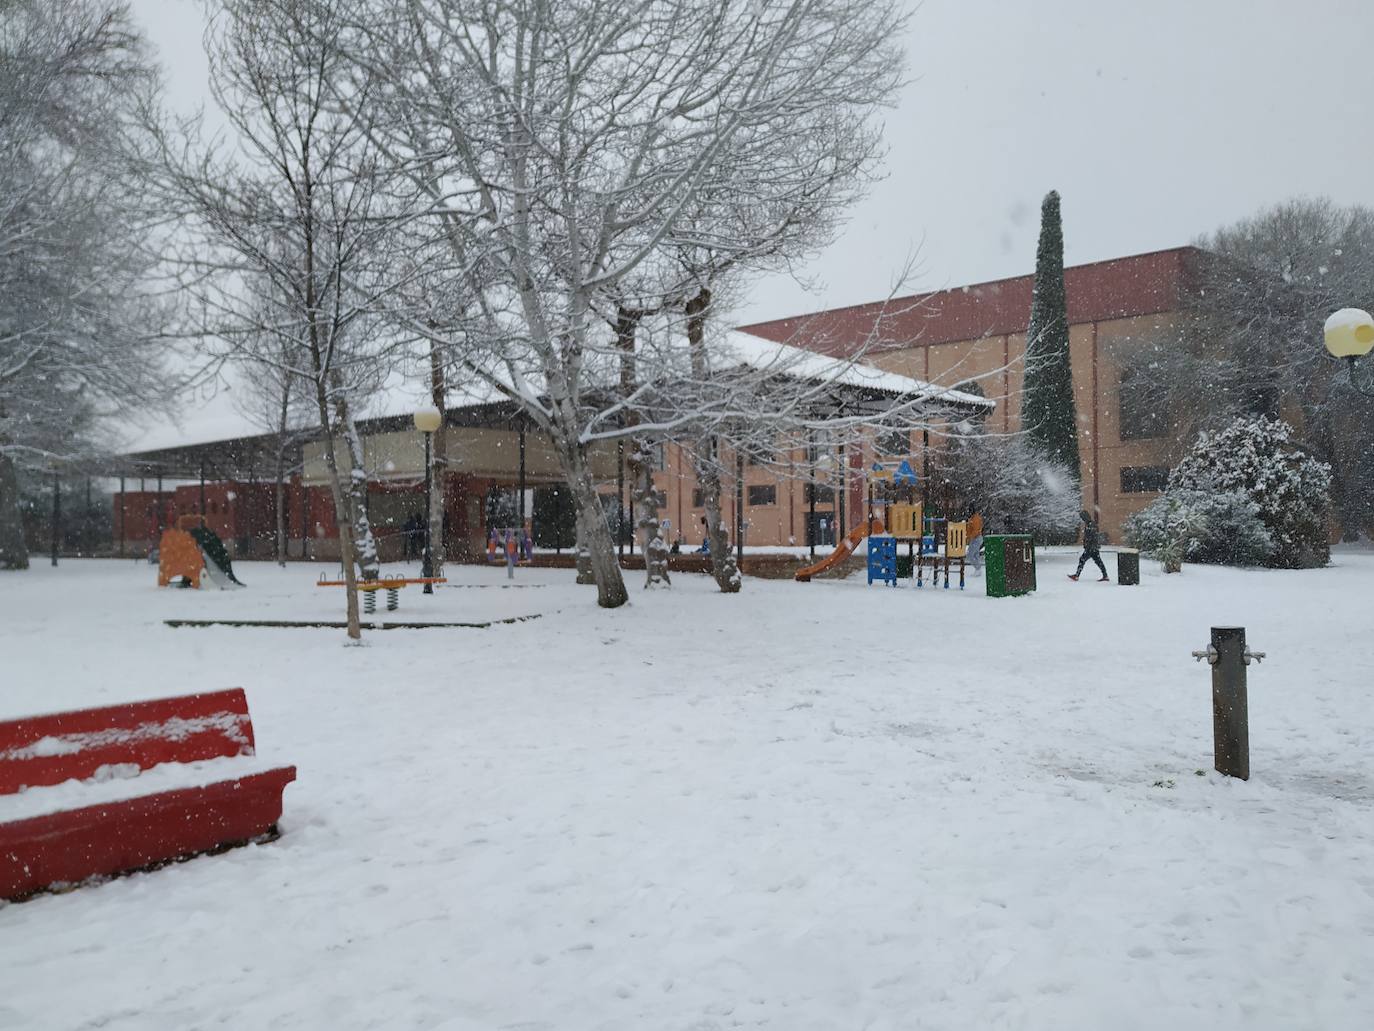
1350, 333
427, 420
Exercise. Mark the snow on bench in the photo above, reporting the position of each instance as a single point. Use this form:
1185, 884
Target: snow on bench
104, 791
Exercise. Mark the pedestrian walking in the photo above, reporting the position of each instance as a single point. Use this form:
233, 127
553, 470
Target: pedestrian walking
1092, 548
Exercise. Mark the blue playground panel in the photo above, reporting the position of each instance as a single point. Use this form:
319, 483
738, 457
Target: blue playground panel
882, 560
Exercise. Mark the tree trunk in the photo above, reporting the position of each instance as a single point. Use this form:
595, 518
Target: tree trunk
1350, 506
593, 533
645, 501
365, 545
347, 556
279, 490
438, 464
643, 498
329, 387
583, 551
347, 551
610, 584
14, 552
723, 566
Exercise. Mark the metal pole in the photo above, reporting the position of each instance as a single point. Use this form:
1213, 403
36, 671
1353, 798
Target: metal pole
620, 497
522, 475
844, 490
122, 504
202, 491
739, 510
56, 514
1228, 657
811, 491
427, 566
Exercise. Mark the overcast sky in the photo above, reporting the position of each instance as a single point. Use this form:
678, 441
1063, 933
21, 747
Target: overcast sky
1156, 121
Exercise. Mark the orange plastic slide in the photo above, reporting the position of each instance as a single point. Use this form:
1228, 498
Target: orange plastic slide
845, 549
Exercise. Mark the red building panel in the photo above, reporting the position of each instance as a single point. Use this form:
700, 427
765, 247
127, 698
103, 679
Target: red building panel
1142, 284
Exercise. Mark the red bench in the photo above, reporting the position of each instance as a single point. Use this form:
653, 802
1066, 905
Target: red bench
104, 791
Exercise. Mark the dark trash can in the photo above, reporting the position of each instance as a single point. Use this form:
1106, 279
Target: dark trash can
1010, 565
1128, 567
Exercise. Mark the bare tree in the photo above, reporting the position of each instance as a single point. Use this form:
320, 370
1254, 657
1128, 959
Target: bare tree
1251, 340
78, 325
302, 216
277, 399
562, 145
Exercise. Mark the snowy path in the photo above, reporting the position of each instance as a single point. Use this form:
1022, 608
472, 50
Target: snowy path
816, 806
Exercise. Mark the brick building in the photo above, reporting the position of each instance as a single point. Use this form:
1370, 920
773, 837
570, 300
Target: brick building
971, 336
977, 335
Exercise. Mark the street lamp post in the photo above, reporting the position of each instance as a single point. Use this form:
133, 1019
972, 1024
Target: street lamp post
1350, 335
427, 420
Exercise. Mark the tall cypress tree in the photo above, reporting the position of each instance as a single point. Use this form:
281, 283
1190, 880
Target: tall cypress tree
1047, 410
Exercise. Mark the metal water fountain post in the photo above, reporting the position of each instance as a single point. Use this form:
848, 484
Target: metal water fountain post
1228, 656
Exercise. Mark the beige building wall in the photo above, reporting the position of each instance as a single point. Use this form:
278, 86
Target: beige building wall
1098, 352
476, 452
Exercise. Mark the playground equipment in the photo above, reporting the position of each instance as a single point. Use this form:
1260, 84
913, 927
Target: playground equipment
190, 548
842, 551
943, 547
392, 586
932, 541
504, 542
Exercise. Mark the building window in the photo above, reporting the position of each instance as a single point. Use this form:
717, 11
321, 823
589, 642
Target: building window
763, 494
1144, 479
698, 498
823, 492
1143, 411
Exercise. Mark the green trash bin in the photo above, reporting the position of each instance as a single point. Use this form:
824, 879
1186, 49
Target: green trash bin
1010, 564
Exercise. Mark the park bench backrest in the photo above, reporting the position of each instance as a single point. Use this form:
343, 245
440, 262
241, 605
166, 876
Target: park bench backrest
43, 750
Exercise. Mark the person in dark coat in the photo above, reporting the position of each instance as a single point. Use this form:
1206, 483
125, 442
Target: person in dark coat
1092, 548
415, 536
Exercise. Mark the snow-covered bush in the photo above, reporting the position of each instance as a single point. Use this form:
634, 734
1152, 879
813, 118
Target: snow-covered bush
1016, 487
1199, 526
1291, 490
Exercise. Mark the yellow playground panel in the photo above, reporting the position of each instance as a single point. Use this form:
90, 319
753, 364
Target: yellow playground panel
905, 520
956, 540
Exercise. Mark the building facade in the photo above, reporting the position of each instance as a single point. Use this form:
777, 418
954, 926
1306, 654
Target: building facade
969, 337
977, 335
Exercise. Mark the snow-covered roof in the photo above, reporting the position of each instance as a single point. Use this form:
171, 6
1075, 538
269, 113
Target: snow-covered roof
745, 349
218, 413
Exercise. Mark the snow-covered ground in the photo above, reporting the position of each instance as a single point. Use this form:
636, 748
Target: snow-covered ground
819, 806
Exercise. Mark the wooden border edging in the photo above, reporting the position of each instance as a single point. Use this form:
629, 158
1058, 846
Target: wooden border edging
323, 624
